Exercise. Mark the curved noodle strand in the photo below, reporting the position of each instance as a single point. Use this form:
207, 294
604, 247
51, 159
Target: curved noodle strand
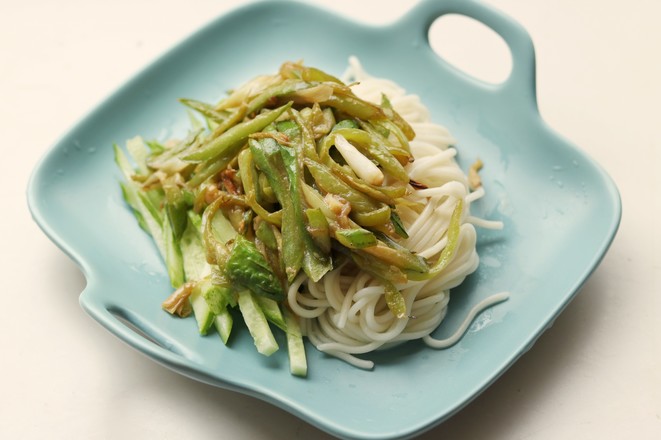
476, 310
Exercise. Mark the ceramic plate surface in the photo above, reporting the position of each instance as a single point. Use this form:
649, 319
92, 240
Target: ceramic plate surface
560, 210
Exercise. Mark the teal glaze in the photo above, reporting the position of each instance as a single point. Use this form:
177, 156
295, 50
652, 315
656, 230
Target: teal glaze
561, 212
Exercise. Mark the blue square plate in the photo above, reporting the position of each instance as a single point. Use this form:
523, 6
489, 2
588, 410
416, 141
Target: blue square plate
560, 209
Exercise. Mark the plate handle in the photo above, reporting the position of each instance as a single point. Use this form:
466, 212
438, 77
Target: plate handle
521, 84
133, 331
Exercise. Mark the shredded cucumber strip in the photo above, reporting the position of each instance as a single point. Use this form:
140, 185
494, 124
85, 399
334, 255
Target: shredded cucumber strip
257, 324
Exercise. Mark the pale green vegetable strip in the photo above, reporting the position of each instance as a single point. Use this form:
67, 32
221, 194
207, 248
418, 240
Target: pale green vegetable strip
193, 253
257, 324
139, 152
222, 228
218, 297
272, 311
136, 198
203, 314
236, 135
130, 198
159, 229
223, 323
195, 123
298, 365
173, 258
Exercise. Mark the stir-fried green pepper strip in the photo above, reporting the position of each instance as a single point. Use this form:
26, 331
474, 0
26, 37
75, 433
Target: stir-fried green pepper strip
394, 299
248, 177
355, 238
399, 122
398, 225
279, 164
267, 157
267, 242
383, 194
299, 71
373, 215
376, 267
318, 228
381, 131
366, 244
366, 211
315, 262
448, 252
398, 257
348, 104
206, 110
270, 94
378, 217
307, 137
206, 170
373, 147
352, 235
233, 139
320, 121
233, 119
214, 240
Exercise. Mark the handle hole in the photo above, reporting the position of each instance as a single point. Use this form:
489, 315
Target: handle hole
472, 47
134, 324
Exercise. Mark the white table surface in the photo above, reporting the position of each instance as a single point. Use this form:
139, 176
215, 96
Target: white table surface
595, 374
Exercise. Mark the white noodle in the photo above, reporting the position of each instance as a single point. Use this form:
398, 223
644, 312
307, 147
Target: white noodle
345, 314
477, 308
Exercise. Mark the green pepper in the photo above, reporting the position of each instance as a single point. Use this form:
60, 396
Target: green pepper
398, 225
269, 244
394, 299
315, 262
307, 137
279, 164
248, 177
235, 137
355, 238
176, 205
298, 71
372, 146
328, 182
346, 123
399, 122
384, 194
215, 233
447, 254
318, 228
272, 93
206, 110
381, 132
389, 251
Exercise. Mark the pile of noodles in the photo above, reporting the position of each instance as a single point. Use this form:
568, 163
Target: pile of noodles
345, 314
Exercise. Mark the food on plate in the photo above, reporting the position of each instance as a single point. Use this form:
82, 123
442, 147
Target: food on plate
331, 209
